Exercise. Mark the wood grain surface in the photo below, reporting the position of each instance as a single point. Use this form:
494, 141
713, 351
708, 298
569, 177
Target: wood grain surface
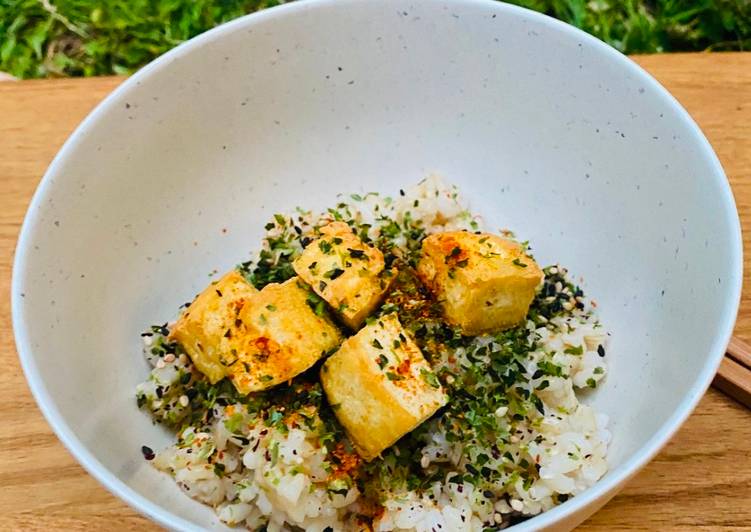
702, 479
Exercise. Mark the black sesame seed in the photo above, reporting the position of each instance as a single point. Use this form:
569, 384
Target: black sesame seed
601, 350
147, 452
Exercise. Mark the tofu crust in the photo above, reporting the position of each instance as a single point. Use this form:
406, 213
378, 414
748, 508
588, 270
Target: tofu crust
283, 337
485, 283
257, 339
380, 386
347, 273
203, 327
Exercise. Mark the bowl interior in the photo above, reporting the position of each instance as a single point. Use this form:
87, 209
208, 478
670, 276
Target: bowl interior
545, 130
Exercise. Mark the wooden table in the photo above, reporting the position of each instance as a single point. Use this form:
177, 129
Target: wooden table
702, 478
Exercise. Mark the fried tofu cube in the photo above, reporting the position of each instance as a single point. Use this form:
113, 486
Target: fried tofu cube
347, 273
380, 386
207, 329
257, 339
281, 337
484, 282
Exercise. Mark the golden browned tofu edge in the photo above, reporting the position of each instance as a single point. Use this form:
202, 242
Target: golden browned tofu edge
346, 377
354, 318
361, 282
455, 270
494, 318
201, 328
272, 316
364, 400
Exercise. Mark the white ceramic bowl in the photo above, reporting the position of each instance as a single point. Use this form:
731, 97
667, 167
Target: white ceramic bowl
547, 130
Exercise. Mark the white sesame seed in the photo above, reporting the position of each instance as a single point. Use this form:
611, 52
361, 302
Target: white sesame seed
568, 305
147, 340
558, 286
514, 439
169, 358
424, 462
517, 505
156, 404
501, 411
183, 359
184, 400
498, 518
160, 364
553, 270
450, 379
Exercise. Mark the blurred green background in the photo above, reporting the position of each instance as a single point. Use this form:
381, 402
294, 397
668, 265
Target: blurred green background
47, 38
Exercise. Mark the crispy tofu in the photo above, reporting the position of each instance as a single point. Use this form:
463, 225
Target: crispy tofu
380, 386
347, 273
257, 339
207, 329
282, 337
484, 282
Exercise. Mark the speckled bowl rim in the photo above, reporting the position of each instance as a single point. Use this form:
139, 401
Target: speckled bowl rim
609, 485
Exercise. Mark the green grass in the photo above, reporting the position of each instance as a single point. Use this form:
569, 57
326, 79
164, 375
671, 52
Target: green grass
47, 38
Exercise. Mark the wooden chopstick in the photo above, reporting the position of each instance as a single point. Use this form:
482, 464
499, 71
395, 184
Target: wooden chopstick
734, 375
740, 351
